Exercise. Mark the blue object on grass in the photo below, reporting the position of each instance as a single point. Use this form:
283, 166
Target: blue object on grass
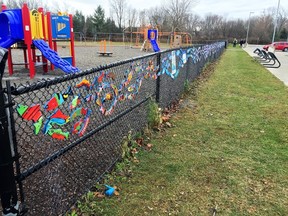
109, 191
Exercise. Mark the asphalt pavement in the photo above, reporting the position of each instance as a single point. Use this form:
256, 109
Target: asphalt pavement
282, 72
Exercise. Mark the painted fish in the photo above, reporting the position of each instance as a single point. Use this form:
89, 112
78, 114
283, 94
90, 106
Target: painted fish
58, 99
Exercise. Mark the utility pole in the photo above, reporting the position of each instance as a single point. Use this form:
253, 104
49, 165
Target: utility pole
276, 21
248, 27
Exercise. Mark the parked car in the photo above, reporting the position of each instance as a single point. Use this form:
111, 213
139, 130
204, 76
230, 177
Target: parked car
277, 46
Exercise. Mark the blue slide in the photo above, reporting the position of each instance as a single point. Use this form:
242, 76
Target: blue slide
155, 45
8, 43
54, 58
11, 27
152, 36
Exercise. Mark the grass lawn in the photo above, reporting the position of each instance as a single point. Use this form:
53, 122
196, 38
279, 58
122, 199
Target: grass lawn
226, 154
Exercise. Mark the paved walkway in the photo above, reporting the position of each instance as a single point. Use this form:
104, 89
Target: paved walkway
282, 72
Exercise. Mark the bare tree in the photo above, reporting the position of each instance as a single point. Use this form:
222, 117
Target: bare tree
132, 16
1, 2
32, 4
157, 16
263, 28
192, 23
143, 20
118, 7
177, 10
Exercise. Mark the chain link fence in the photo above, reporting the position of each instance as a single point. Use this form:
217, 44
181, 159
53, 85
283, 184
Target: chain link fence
67, 132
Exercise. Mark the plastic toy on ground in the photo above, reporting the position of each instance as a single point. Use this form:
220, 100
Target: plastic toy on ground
109, 190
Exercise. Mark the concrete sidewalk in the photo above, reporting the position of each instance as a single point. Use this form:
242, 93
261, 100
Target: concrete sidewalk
282, 72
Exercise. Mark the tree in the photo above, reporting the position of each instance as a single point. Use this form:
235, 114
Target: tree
118, 8
211, 26
263, 27
177, 11
283, 34
89, 30
110, 26
143, 18
192, 24
32, 4
98, 19
78, 21
132, 17
1, 2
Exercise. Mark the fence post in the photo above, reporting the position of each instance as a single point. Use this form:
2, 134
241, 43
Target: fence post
158, 78
8, 187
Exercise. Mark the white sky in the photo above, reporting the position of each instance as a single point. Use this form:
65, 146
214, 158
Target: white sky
230, 9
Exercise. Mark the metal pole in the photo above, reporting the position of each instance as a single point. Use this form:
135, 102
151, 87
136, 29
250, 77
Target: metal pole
248, 27
276, 21
8, 191
158, 78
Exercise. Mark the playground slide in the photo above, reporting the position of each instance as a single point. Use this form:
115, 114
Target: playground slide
54, 58
8, 42
10, 21
155, 45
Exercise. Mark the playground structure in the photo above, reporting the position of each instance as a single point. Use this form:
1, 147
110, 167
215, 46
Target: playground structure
150, 40
175, 39
103, 48
33, 29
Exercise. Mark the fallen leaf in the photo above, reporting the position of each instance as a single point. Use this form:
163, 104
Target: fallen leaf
99, 195
139, 141
168, 124
165, 118
149, 146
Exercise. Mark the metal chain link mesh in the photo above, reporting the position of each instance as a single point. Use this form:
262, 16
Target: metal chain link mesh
69, 130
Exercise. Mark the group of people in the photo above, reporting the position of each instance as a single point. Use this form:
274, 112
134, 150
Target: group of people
241, 42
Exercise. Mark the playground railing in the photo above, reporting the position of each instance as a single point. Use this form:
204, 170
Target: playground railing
67, 132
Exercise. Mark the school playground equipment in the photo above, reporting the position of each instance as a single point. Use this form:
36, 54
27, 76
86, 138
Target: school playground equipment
150, 40
175, 39
32, 30
103, 48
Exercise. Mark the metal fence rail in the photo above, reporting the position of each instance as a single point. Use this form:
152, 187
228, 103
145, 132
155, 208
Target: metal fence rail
67, 132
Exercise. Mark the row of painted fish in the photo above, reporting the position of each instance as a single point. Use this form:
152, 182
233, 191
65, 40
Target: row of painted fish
104, 93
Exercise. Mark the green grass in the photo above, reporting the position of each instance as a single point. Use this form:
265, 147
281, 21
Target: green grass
228, 153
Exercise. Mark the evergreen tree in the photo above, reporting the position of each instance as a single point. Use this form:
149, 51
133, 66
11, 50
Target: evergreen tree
283, 34
98, 19
78, 21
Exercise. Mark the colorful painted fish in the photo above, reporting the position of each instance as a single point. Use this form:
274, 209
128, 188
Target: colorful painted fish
58, 99
75, 102
58, 134
58, 117
80, 126
31, 113
84, 83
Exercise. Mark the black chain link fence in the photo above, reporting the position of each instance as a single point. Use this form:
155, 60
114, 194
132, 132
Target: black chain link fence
68, 131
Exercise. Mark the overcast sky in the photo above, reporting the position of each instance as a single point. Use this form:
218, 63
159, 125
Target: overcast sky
230, 9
